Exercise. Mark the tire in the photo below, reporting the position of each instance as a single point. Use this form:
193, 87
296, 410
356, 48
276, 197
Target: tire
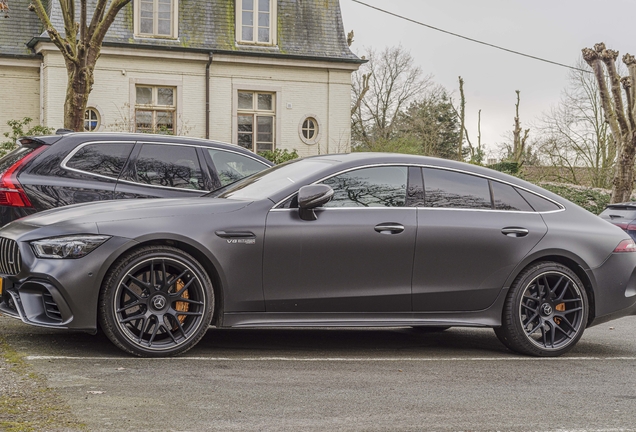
544, 322
156, 301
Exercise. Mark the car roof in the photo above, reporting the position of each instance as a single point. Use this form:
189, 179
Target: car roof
80, 137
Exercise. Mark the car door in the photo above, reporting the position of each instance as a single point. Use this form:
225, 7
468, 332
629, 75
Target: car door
472, 232
164, 170
356, 257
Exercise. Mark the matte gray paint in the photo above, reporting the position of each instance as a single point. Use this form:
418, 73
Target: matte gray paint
571, 233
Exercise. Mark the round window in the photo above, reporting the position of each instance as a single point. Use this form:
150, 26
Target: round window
91, 120
309, 130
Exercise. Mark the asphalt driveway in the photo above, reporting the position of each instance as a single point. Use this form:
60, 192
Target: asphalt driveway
319, 379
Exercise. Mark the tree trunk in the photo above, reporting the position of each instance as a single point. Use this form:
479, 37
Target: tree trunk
621, 120
80, 81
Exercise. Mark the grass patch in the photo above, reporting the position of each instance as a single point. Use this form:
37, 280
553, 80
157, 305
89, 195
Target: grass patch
27, 403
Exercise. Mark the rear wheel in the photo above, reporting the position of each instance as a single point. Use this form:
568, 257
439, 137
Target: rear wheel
545, 312
156, 301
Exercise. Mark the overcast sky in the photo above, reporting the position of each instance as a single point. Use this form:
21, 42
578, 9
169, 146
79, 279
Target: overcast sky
553, 29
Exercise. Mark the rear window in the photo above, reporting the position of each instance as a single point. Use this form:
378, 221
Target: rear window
169, 166
106, 159
232, 167
452, 189
614, 213
10, 159
539, 204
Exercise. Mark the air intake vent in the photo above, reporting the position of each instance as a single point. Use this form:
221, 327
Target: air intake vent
50, 307
9, 257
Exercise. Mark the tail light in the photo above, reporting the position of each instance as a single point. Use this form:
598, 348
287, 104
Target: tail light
626, 246
11, 192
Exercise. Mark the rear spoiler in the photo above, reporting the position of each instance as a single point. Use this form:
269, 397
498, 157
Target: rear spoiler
36, 141
31, 142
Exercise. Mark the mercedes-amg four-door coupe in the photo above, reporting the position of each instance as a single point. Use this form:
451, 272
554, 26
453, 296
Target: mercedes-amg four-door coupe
335, 240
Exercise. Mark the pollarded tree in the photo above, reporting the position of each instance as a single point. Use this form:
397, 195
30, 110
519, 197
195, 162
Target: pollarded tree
80, 45
620, 118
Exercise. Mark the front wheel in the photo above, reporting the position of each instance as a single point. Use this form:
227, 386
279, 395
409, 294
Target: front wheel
545, 312
156, 301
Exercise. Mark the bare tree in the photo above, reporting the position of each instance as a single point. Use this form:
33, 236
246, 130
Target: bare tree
620, 118
382, 89
576, 145
518, 141
80, 46
476, 153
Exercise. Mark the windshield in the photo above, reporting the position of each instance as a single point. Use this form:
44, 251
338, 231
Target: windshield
273, 180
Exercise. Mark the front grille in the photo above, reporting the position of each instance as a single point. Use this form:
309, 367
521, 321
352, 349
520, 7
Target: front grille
50, 307
9, 257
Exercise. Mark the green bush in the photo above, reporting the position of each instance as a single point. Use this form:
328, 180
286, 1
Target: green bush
279, 156
19, 129
593, 200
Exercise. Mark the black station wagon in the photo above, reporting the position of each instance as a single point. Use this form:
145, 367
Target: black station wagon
58, 170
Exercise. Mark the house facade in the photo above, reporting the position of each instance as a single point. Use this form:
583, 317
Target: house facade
263, 74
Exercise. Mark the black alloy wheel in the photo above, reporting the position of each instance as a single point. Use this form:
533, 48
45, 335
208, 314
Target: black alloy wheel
156, 301
545, 312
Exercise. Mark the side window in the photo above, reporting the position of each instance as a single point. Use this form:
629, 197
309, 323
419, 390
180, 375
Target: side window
506, 197
170, 166
539, 204
369, 187
107, 159
450, 189
231, 167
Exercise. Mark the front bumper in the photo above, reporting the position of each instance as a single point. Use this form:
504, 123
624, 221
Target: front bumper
59, 293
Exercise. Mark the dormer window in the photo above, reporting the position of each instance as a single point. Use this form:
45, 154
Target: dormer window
156, 18
256, 22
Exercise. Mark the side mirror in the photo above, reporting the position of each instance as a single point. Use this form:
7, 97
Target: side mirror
310, 197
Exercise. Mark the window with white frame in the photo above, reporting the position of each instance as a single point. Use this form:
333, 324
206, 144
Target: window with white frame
256, 120
91, 119
156, 18
155, 109
256, 21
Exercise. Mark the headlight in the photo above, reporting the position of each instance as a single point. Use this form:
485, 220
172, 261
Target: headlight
76, 246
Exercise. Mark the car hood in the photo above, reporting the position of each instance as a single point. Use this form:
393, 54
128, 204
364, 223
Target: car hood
107, 211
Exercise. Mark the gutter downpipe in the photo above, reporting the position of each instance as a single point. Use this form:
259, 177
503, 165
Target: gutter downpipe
207, 96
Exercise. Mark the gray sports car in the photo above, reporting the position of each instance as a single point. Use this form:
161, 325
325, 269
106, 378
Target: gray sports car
339, 240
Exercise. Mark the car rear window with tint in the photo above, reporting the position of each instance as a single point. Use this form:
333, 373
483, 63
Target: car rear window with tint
450, 189
369, 187
8, 160
107, 159
507, 198
626, 213
539, 204
169, 166
231, 167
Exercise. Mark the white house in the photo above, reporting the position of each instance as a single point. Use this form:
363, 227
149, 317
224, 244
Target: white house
263, 74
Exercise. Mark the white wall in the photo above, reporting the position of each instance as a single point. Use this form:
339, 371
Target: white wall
304, 88
19, 93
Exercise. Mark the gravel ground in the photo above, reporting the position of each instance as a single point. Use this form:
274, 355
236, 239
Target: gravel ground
26, 402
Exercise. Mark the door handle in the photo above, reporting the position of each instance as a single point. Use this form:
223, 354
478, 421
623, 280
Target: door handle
515, 232
389, 228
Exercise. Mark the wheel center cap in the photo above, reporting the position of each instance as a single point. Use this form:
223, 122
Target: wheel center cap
159, 302
546, 309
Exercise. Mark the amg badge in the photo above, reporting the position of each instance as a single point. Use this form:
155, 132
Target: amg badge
242, 241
